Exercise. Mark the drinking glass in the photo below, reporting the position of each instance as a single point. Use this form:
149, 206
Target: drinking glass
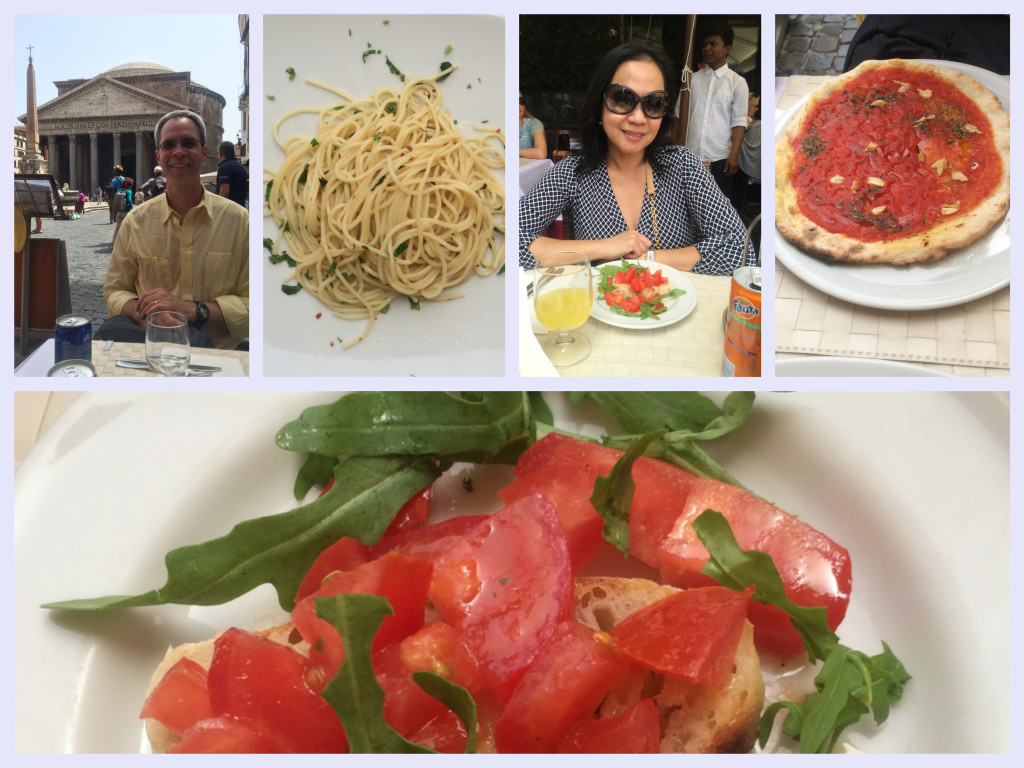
167, 346
563, 294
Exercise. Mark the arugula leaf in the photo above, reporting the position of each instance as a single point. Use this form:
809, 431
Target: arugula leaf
354, 692
279, 549
849, 683
540, 408
613, 494
317, 469
690, 417
490, 427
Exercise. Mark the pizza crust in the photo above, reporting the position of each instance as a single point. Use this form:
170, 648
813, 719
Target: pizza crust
951, 234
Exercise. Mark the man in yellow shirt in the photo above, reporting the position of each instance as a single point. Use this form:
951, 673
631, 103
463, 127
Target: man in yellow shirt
185, 251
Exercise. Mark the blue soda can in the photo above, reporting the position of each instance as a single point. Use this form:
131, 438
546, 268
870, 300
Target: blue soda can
74, 338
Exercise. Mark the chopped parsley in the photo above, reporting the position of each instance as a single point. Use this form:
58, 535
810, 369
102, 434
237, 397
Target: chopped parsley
291, 290
445, 66
401, 249
313, 142
447, 50
291, 73
413, 304
394, 70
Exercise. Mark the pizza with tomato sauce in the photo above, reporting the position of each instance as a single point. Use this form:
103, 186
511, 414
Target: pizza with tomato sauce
894, 162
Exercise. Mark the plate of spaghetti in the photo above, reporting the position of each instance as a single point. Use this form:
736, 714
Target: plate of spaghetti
383, 196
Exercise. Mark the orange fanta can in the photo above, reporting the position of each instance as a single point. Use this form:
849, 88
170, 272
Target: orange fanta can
743, 324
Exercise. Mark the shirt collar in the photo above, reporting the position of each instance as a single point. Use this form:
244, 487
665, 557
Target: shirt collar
203, 207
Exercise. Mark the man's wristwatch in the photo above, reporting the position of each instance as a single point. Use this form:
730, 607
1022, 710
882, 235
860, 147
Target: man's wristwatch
202, 314
650, 254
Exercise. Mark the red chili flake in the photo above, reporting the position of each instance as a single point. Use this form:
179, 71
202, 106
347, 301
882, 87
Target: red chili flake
332, 343
318, 314
499, 130
479, 80
408, 147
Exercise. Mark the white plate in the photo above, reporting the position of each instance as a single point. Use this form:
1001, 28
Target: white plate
894, 477
967, 274
676, 308
464, 337
821, 365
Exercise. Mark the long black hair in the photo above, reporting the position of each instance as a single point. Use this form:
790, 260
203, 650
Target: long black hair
593, 138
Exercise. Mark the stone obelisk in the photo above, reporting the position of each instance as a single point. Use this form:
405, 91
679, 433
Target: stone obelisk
32, 162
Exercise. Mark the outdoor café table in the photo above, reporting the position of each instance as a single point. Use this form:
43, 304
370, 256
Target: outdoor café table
231, 362
971, 339
692, 346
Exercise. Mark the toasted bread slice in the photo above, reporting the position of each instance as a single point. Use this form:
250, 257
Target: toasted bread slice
694, 718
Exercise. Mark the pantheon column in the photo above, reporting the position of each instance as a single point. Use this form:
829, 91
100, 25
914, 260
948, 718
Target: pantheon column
53, 157
140, 159
117, 148
94, 171
72, 162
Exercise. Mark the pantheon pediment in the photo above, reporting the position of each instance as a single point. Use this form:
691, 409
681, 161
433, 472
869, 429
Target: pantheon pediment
102, 101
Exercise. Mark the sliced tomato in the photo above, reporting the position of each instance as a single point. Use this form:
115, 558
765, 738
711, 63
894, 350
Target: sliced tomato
636, 731
343, 555
632, 304
661, 489
444, 733
580, 522
402, 580
224, 736
263, 684
180, 699
348, 553
430, 540
815, 570
505, 585
692, 634
435, 648
570, 677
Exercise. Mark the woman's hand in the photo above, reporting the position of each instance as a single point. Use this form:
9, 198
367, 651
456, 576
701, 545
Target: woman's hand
626, 245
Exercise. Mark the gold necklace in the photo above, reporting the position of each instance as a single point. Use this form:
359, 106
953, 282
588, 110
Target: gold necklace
649, 190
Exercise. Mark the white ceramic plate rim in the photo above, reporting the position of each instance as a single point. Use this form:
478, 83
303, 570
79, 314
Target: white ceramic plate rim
678, 307
462, 337
889, 475
968, 274
821, 365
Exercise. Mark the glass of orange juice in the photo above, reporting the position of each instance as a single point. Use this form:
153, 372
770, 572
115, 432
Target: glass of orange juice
563, 294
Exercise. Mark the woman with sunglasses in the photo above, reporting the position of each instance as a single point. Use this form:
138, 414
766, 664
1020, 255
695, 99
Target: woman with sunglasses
532, 143
630, 192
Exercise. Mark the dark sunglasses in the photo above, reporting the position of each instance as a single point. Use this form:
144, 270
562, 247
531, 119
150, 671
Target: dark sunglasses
622, 100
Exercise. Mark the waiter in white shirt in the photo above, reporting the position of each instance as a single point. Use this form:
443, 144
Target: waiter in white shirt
718, 108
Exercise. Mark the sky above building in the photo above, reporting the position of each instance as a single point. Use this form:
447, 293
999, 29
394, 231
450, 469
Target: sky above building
66, 47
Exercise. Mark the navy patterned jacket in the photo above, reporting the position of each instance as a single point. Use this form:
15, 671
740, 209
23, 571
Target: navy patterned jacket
691, 210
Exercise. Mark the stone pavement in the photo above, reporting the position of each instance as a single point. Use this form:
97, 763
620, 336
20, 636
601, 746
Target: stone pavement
815, 45
88, 242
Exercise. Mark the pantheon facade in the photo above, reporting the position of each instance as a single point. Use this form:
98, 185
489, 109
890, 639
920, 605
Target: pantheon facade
93, 125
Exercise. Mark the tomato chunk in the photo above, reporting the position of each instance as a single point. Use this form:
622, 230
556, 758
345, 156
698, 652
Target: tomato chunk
180, 699
504, 585
580, 522
402, 580
224, 736
661, 488
569, 679
263, 684
692, 634
435, 648
814, 569
636, 731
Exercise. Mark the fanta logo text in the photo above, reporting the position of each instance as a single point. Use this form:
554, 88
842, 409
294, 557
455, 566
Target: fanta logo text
744, 308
